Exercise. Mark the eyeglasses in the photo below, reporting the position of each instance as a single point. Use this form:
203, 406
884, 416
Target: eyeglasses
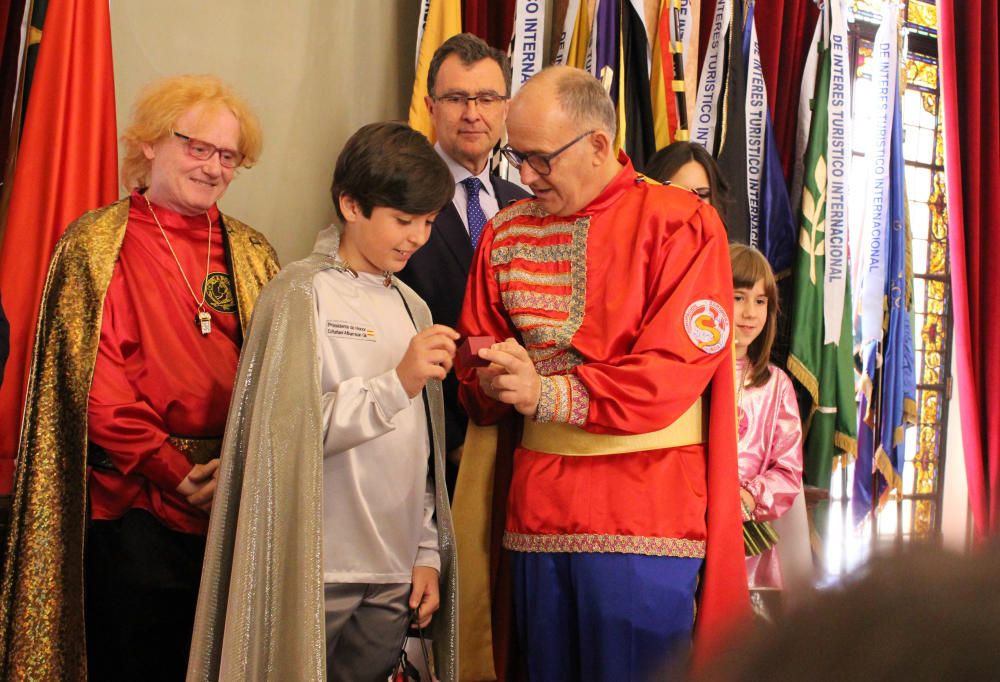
540, 163
483, 100
201, 150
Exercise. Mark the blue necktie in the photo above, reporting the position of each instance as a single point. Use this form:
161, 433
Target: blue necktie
473, 211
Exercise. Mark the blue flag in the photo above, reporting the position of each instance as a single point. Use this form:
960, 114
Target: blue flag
890, 404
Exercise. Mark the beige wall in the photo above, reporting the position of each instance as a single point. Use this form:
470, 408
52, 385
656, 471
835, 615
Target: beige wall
314, 70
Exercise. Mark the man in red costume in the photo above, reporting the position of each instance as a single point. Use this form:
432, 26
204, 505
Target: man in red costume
611, 299
139, 336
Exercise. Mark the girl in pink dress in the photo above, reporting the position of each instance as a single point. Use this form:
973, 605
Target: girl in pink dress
770, 431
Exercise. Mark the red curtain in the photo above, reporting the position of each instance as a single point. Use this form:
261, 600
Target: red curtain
970, 85
67, 164
784, 28
491, 20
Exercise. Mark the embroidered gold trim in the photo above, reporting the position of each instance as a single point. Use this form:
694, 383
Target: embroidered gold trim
579, 401
536, 314
543, 354
551, 279
575, 252
524, 321
548, 400
559, 362
512, 230
563, 398
548, 253
616, 544
519, 298
578, 276
508, 213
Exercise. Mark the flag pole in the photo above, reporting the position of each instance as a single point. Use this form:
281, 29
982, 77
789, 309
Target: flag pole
682, 132
876, 427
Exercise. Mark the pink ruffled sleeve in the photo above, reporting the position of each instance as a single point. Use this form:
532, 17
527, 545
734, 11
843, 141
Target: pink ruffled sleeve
780, 477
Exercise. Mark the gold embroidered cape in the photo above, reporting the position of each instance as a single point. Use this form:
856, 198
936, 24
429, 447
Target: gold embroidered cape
261, 612
41, 605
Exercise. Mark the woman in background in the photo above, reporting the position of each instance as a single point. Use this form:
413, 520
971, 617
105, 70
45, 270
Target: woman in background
689, 165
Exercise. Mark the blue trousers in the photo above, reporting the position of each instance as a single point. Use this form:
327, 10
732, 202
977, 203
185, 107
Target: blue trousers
607, 617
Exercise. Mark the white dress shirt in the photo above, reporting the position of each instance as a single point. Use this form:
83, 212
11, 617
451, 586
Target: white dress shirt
378, 502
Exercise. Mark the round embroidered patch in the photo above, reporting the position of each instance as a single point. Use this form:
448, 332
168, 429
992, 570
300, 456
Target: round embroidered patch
707, 325
218, 288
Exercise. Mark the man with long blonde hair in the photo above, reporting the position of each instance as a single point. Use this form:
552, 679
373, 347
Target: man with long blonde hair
139, 334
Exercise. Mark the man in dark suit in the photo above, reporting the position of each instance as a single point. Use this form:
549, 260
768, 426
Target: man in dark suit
469, 85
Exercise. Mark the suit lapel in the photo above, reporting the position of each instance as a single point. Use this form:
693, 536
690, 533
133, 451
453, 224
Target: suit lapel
504, 197
451, 229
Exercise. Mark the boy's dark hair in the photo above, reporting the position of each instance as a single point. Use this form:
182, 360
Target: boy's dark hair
665, 162
470, 49
390, 164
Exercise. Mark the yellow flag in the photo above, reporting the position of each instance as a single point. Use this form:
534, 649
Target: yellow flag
444, 19
660, 78
622, 120
581, 39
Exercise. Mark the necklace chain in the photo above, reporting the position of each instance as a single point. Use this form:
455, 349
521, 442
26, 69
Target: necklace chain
208, 257
341, 265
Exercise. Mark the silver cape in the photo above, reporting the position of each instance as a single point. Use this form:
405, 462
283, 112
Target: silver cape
260, 612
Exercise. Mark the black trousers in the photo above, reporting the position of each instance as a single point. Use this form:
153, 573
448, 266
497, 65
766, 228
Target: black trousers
141, 587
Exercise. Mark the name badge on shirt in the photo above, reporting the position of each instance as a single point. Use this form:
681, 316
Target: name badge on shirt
342, 329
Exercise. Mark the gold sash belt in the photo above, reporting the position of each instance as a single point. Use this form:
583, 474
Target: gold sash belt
566, 439
198, 450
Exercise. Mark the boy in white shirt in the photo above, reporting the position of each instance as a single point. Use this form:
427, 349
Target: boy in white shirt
342, 531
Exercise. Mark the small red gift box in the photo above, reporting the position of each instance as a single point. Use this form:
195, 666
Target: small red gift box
468, 352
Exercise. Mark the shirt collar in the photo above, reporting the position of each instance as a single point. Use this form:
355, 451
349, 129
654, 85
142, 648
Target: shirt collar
460, 172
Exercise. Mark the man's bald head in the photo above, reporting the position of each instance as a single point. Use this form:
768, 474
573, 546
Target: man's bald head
580, 96
561, 129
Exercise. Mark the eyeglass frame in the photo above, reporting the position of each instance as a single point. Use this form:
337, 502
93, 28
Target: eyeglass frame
517, 159
459, 99
188, 141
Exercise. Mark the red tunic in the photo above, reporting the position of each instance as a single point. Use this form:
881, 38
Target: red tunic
155, 374
599, 299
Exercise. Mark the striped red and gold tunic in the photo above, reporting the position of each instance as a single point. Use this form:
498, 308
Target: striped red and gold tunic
603, 300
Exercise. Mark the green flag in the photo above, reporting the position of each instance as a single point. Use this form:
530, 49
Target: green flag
825, 370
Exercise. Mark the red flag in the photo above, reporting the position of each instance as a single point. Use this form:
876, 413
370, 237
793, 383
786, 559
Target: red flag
67, 163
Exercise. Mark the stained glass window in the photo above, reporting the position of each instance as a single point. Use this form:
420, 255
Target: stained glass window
917, 15
922, 15
914, 511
